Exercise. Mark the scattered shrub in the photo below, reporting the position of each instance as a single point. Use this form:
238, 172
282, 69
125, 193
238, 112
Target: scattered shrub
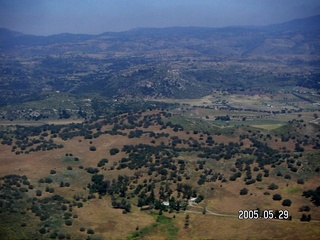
114, 151
68, 222
277, 197
286, 203
304, 209
244, 191
273, 186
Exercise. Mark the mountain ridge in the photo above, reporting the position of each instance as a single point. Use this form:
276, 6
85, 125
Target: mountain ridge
300, 24
305, 24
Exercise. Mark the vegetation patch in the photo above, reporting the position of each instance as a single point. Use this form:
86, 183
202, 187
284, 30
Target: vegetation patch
163, 224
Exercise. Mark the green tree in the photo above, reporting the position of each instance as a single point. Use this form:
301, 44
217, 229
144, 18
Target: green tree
273, 186
114, 151
286, 203
276, 197
244, 191
68, 222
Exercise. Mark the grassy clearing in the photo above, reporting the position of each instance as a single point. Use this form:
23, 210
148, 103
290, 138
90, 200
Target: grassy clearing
53, 100
67, 176
193, 124
69, 160
163, 224
204, 101
283, 129
292, 189
268, 126
270, 121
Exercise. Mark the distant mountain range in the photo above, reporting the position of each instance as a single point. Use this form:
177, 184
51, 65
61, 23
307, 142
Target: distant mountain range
236, 40
161, 62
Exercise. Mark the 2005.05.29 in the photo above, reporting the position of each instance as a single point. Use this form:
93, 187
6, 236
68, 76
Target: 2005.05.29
265, 214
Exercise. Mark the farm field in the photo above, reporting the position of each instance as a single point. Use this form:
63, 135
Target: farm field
267, 113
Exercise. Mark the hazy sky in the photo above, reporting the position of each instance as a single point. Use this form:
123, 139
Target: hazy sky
45, 17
